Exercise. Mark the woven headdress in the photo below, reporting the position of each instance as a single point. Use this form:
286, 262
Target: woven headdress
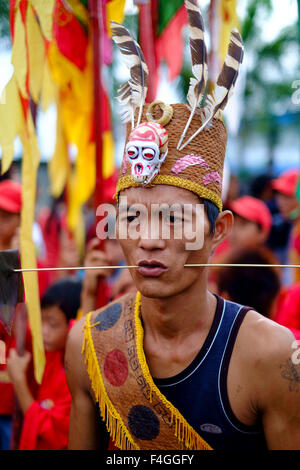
181, 144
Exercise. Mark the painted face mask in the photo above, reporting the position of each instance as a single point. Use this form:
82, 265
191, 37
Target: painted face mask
146, 150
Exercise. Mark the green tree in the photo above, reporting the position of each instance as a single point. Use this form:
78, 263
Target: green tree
269, 81
4, 19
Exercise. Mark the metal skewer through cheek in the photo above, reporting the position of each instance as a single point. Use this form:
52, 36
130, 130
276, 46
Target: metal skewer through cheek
201, 265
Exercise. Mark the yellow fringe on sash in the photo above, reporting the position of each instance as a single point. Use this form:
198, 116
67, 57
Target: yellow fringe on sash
183, 431
114, 423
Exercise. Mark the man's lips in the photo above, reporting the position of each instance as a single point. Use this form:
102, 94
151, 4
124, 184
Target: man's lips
151, 268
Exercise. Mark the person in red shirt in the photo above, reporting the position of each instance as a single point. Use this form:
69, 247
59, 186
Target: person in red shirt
285, 187
46, 413
288, 311
7, 395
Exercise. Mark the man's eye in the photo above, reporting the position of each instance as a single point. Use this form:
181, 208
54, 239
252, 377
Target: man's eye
172, 219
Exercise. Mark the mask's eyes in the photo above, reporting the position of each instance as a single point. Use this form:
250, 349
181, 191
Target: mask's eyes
132, 152
148, 154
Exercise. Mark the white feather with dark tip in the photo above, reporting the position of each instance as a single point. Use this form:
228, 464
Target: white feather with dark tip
198, 54
199, 60
132, 94
225, 83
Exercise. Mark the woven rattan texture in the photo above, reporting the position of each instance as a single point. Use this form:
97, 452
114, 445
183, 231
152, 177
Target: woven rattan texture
210, 145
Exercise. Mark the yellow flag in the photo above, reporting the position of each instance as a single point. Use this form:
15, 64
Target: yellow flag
59, 166
74, 127
228, 21
11, 122
108, 157
30, 163
44, 10
115, 11
49, 89
19, 54
36, 52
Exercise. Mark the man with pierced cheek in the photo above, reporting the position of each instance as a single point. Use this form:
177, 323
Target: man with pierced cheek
175, 366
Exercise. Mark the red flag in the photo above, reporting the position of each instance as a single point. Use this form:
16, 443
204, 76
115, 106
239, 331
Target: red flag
161, 39
71, 35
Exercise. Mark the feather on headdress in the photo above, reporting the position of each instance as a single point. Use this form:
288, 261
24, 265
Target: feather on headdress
199, 60
225, 83
133, 93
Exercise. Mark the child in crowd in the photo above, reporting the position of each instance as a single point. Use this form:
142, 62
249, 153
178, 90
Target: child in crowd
252, 222
46, 412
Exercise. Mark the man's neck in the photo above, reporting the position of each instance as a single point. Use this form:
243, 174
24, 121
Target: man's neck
179, 316
175, 329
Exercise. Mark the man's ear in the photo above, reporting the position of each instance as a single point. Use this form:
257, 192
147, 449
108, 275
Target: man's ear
224, 224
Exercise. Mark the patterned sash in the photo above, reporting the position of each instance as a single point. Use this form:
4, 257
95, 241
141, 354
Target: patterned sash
137, 415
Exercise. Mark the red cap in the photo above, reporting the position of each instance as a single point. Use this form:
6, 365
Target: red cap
253, 209
286, 183
10, 196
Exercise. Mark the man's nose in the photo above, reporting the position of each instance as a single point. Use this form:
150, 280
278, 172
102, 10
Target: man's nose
151, 238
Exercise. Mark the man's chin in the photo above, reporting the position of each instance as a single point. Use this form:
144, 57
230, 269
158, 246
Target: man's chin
156, 290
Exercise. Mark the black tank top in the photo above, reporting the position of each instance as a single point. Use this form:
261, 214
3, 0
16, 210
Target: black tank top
200, 391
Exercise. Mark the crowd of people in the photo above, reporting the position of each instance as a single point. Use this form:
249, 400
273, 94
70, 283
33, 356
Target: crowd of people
266, 232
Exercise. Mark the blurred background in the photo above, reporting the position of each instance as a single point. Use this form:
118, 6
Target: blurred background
263, 116
61, 147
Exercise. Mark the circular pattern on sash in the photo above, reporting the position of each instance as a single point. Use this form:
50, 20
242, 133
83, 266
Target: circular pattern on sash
109, 317
116, 367
143, 423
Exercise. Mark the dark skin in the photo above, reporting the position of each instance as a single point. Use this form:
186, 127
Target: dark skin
177, 311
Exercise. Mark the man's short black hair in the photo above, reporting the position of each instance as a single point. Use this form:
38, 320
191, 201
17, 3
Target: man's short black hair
212, 213
64, 294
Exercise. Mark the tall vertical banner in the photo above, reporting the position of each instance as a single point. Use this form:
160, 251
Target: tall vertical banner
160, 34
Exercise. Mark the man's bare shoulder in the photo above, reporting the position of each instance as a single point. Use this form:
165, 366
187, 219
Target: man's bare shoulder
74, 361
271, 368
75, 336
267, 349
265, 339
